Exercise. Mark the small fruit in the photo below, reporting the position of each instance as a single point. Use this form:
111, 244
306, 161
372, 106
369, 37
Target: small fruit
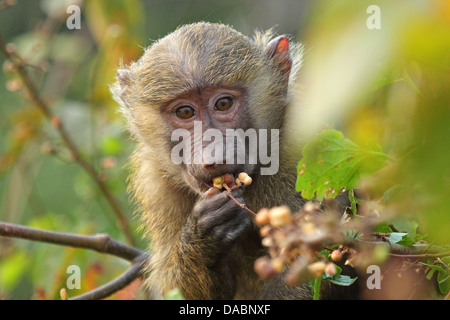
247, 181
330, 269
264, 268
308, 228
277, 264
264, 231
228, 178
262, 217
267, 242
218, 182
316, 269
244, 178
336, 255
280, 216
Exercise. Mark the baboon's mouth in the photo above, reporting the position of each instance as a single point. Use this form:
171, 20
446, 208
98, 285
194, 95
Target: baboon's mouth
208, 183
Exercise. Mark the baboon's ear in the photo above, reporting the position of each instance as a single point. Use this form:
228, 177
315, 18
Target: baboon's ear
278, 50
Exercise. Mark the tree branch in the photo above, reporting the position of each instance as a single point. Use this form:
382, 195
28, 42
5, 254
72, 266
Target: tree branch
101, 243
115, 285
422, 255
19, 65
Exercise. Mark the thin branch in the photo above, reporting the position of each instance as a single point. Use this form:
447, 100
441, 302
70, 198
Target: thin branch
101, 243
422, 255
243, 206
19, 65
398, 250
115, 285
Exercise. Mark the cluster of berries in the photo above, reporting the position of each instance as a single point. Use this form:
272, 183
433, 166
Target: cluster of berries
294, 242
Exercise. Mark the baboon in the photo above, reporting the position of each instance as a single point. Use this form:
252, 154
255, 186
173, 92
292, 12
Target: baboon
207, 73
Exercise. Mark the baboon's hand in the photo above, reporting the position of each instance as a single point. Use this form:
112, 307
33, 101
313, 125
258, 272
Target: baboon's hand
215, 224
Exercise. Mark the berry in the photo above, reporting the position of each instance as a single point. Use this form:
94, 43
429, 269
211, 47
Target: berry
316, 269
264, 268
247, 181
228, 178
262, 217
330, 269
280, 216
244, 178
336, 255
218, 182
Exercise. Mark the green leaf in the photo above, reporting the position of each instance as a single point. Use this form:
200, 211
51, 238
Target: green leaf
443, 277
338, 279
332, 163
432, 269
409, 226
353, 201
342, 280
396, 237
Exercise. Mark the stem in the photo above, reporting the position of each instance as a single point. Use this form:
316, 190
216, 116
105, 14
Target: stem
316, 288
422, 255
237, 202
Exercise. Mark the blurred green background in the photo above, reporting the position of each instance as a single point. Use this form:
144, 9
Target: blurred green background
389, 85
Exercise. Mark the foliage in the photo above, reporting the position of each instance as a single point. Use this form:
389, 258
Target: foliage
384, 89
331, 164
40, 183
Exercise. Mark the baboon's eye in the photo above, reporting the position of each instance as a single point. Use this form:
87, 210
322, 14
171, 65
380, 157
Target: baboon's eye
223, 104
185, 112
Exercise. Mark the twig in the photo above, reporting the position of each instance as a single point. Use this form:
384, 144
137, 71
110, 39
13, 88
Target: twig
422, 255
101, 243
115, 285
235, 200
19, 64
396, 250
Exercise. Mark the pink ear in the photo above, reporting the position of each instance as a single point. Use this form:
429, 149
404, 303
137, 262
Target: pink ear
277, 46
283, 45
278, 50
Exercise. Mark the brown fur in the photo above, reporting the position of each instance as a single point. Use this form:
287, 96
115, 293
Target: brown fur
193, 56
